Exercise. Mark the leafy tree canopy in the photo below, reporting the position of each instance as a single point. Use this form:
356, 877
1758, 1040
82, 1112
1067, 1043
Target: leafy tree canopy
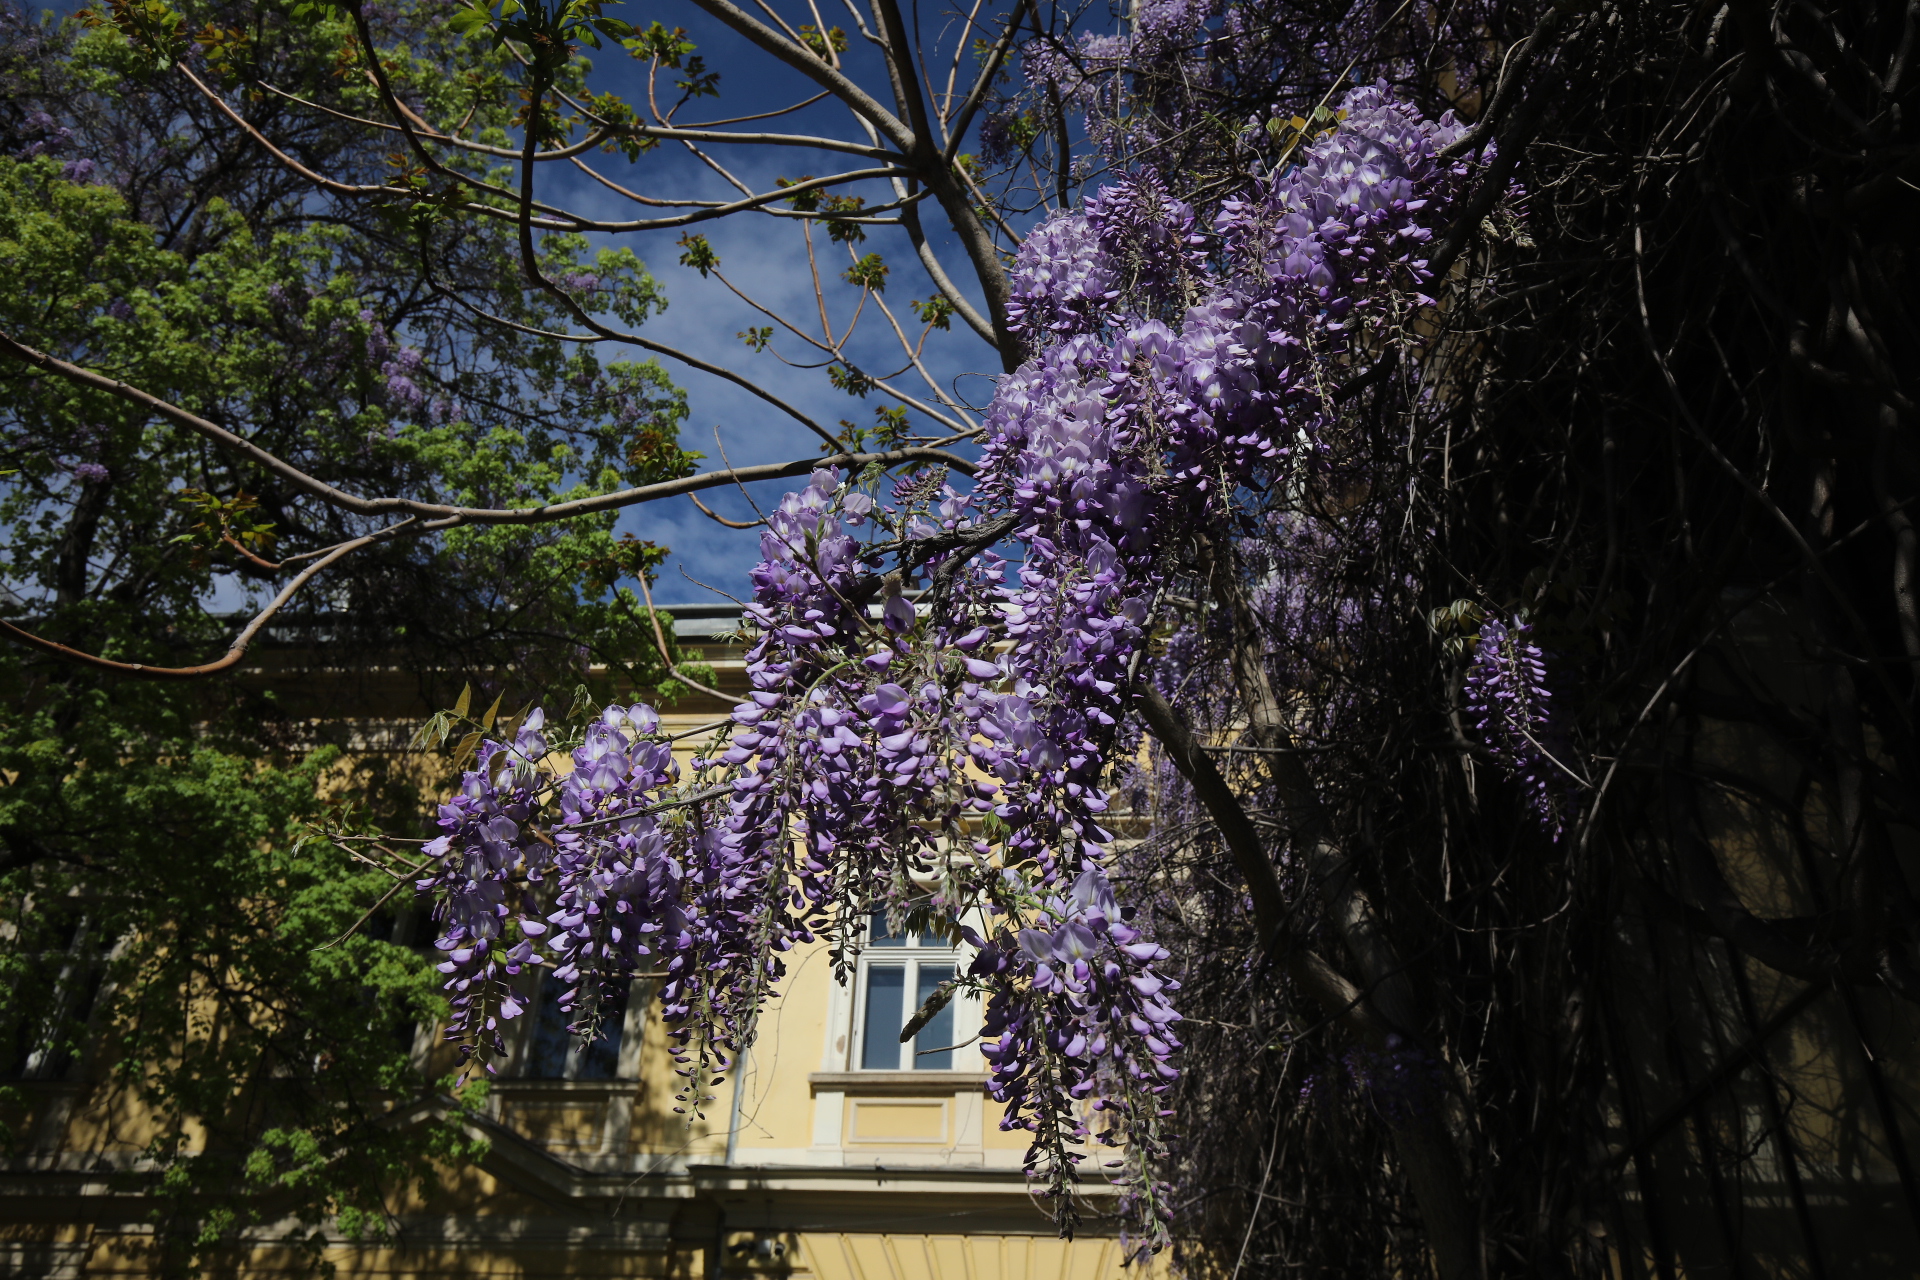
157, 889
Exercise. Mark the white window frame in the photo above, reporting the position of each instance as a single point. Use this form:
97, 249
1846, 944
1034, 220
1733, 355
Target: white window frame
626, 1067
909, 957
80, 990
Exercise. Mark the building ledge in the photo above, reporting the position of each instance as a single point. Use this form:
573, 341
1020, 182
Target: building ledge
898, 1084
601, 1090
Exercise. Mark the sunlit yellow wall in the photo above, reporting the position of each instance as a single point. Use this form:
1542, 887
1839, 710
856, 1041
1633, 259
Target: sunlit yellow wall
830, 1173
850, 1256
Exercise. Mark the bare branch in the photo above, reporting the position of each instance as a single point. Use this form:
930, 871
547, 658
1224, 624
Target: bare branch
660, 642
710, 514
236, 651
801, 59
443, 515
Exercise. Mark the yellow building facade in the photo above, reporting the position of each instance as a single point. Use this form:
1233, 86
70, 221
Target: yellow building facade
835, 1152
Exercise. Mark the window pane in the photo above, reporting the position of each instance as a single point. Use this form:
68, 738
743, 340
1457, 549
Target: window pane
50, 1021
937, 1034
547, 1044
877, 935
880, 1029
601, 1059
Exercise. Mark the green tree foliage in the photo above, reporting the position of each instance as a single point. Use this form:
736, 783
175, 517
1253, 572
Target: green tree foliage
158, 900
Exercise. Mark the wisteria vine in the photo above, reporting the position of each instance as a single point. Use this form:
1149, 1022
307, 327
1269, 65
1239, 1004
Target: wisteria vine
947, 754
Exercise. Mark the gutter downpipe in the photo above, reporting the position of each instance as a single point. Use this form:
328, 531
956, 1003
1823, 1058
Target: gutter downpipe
733, 1148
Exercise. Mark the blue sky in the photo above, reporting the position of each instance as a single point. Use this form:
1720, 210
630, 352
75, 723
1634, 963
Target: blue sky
767, 257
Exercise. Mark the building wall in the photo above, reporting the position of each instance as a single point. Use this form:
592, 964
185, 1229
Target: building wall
803, 1165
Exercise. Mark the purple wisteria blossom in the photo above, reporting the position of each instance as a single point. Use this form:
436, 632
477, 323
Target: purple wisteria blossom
489, 836
1078, 1013
1062, 279
1508, 697
49, 136
399, 371
996, 136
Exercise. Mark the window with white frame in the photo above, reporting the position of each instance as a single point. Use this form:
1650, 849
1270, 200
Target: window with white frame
553, 1053
897, 974
45, 1012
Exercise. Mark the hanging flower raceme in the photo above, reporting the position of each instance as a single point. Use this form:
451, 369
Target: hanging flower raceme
617, 883
490, 842
1507, 695
1062, 279
1301, 275
1118, 431
1078, 1014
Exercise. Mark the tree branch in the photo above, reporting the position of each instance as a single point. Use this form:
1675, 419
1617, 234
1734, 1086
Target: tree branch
442, 515
235, 651
803, 60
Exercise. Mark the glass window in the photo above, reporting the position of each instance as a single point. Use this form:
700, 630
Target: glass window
879, 935
933, 1047
551, 1052
880, 1046
897, 974
44, 1012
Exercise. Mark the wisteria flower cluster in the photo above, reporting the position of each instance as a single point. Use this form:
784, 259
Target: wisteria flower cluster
1135, 89
1508, 696
1076, 1015
1157, 90
1063, 278
1300, 277
486, 861
948, 755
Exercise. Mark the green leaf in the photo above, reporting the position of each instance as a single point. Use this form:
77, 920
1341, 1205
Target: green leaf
583, 701
868, 272
467, 21
433, 731
465, 751
698, 254
244, 315
935, 311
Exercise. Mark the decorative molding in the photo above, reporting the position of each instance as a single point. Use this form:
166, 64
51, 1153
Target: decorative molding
898, 1084
597, 1090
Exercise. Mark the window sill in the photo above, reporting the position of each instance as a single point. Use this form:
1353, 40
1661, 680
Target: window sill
573, 1088
914, 1084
